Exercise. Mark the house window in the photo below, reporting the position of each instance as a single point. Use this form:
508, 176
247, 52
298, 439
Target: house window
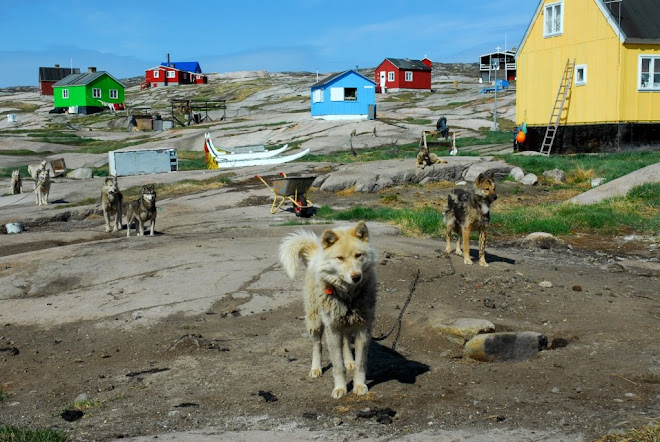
114, 93
580, 74
336, 94
390, 76
171, 74
317, 97
156, 74
350, 94
649, 73
65, 93
408, 76
96, 93
553, 19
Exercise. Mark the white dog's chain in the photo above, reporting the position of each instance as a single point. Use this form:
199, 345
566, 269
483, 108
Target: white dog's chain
397, 323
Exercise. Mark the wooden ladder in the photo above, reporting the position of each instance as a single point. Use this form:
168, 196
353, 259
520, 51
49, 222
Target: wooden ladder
560, 101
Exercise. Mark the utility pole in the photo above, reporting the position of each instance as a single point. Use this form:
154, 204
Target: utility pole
496, 67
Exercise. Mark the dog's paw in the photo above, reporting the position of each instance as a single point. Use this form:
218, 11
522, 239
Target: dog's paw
350, 365
360, 389
315, 373
459, 252
467, 261
107, 229
339, 392
483, 264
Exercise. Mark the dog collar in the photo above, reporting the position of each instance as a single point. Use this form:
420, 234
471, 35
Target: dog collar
329, 290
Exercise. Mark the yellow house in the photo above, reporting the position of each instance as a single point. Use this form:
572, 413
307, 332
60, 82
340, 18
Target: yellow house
613, 98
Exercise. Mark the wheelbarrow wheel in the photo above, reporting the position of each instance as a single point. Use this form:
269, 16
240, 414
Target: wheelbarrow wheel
298, 208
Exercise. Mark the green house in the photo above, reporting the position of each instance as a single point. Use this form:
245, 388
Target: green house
88, 92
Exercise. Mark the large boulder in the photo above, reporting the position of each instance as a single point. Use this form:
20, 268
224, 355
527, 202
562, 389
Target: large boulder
82, 173
500, 170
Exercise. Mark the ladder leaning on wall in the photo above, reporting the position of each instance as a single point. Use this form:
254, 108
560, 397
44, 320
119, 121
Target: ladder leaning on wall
560, 101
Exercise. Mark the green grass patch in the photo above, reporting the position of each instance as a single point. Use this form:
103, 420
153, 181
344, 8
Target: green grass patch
16, 434
18, 107
420, 121
650, 433
637, 212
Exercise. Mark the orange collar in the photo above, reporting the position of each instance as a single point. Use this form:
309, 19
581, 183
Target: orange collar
329, 290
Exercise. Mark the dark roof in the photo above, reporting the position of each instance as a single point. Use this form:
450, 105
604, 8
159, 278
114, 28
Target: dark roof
405, 63
55, 74
82, 79
189, 66
639, 19
332, 77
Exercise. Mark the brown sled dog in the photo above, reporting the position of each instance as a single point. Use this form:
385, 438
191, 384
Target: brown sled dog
112, 200
339, 295
467, 211
142, 210
427, 158
16, 182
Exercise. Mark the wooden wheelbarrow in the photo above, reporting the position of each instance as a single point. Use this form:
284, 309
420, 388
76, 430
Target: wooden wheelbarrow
291, 189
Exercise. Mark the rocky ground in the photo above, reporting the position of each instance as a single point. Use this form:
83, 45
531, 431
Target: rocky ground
196, 333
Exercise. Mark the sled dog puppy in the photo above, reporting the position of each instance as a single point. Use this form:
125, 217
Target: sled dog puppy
112, 200
142, 210
42, 187
339, 297
16, 182
427, 158
466, 211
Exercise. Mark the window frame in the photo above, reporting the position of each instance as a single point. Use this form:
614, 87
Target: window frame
171, 74
317, 95
582, 67
114, 94
351, 97
550, 8
390, 76
408, 76
96, 93
654, 68
156, 73
65, 94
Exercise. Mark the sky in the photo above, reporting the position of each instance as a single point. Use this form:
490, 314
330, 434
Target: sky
125, 38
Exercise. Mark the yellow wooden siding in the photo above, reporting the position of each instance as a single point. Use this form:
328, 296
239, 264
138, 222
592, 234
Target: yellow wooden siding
610, 94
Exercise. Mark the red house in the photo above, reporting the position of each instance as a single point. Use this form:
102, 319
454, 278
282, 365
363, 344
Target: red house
169, 76
49, 76
402, 73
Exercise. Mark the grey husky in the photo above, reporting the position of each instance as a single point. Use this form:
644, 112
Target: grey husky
142, 210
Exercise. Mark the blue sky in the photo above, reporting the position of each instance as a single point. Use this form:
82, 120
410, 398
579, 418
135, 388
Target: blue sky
127, 37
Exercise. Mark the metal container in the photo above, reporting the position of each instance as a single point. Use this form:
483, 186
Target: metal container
14, 227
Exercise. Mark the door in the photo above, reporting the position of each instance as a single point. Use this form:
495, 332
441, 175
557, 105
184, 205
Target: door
383, 79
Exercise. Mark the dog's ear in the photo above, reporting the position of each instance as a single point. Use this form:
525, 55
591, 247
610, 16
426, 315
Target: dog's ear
361, 231
480, 179
328, 238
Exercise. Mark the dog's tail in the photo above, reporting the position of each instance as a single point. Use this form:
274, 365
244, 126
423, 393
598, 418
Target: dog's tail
296, 250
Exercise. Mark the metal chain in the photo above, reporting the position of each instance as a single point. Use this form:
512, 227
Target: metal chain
397, 323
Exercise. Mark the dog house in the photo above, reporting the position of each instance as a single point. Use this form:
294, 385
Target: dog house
142, 162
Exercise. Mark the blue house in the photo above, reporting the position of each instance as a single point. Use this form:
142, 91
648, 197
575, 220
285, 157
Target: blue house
344, 96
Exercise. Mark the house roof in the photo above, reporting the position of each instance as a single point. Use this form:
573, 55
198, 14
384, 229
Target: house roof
82, 79
333, 77
638, 20
405, 63
55, 74
190, 66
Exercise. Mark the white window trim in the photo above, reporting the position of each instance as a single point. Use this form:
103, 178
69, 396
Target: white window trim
171, 74
156, 73
655, 59
114, 93
584, 69
65, 93
390, 76
96, 93
409, 74
548, 7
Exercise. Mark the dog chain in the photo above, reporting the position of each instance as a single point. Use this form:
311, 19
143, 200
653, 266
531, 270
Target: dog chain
397, 323
18, 201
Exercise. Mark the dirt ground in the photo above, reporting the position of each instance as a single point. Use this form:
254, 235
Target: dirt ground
224, 349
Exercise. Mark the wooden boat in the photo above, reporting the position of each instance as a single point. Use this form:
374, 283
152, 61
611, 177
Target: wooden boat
217, 159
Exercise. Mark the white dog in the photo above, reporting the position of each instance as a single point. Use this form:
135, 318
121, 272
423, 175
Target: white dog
340, 297
42, 187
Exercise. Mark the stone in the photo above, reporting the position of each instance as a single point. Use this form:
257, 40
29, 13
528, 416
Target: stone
545, 284
517, 174
595, 182
82, 173
505, 346
462, 330
544, 240
530, 180
557, 175
499, 170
